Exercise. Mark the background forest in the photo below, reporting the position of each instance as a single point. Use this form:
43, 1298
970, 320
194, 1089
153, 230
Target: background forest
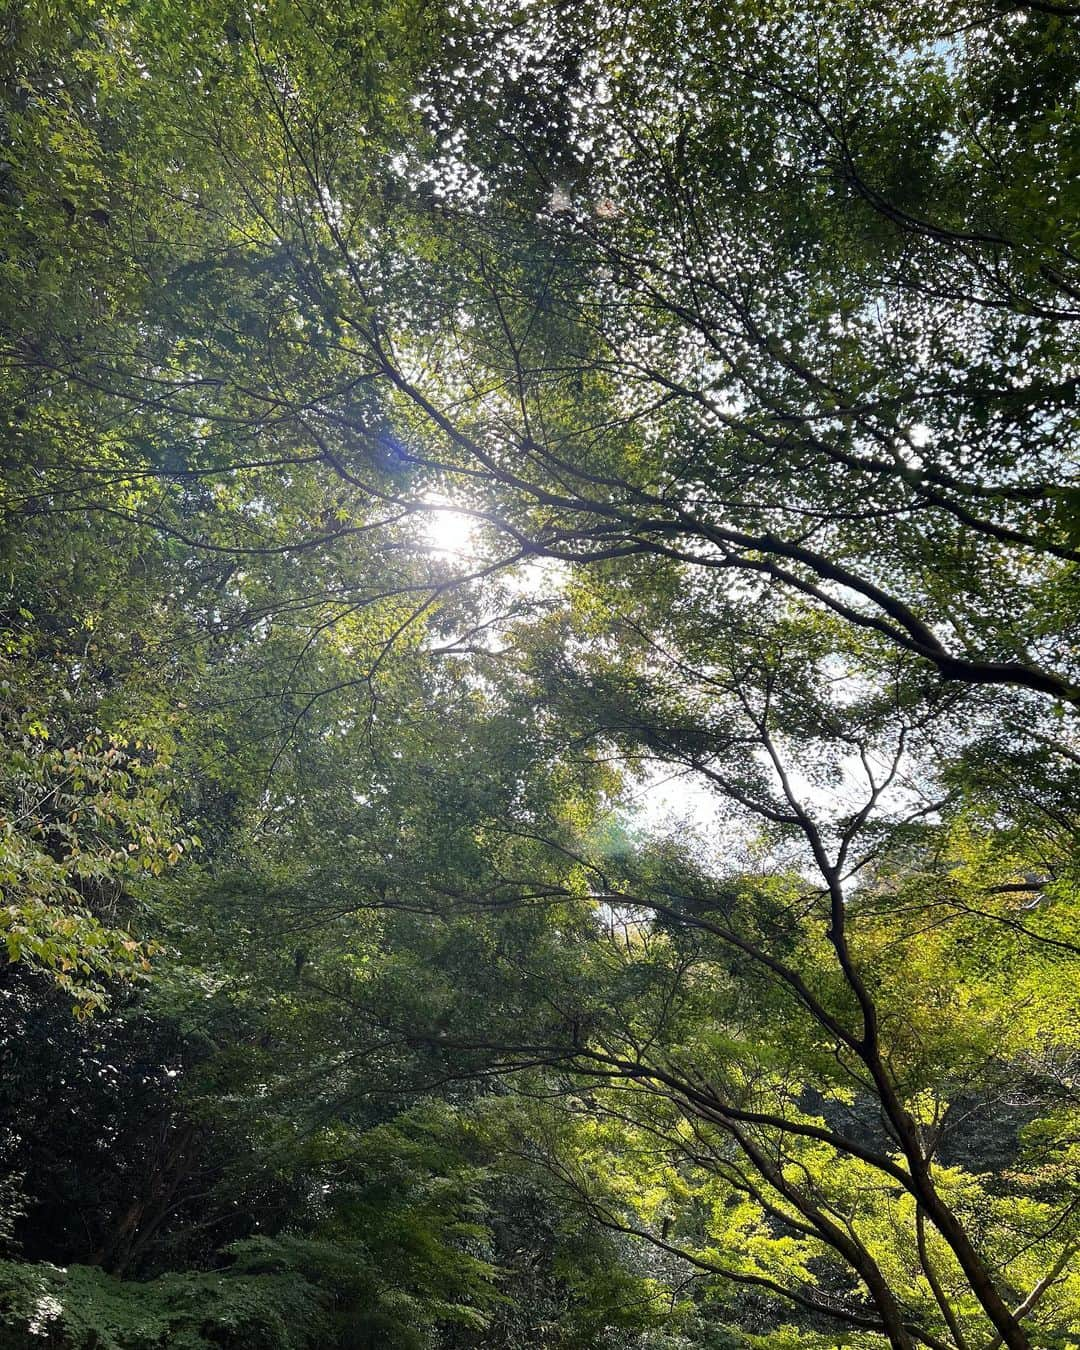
539, 670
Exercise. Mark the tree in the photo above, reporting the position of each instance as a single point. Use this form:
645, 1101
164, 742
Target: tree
757, 328
601, 377
810, 1037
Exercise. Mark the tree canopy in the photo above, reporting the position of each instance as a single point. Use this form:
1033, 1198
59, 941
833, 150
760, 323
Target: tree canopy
538, 747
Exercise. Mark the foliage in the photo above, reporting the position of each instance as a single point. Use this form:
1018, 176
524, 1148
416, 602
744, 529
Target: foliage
432, 430
85, 1307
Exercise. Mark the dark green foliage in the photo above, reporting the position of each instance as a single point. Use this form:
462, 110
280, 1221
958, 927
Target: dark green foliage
86, 1309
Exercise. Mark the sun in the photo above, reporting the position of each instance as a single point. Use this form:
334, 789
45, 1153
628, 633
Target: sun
448, 532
